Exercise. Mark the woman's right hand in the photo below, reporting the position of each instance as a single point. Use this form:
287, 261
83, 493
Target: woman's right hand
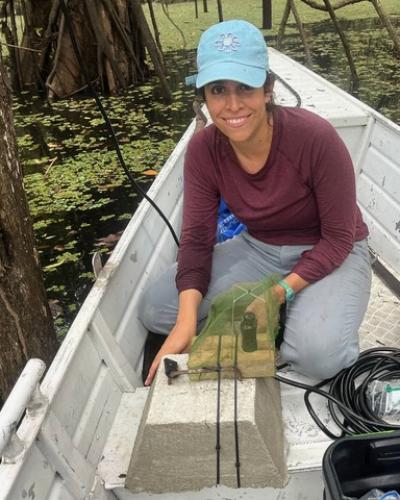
182, 333
178, 341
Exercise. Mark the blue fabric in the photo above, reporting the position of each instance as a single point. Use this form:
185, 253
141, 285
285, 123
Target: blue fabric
390, 495
228, 224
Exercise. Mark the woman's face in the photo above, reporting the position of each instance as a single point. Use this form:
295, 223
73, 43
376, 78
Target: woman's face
238, 110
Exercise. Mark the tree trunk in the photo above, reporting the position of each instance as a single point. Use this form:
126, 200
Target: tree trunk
346, 46
110, 37
220, 14
151, 47
154, 24
35, 21
303, 36
267, 14
282, 26
388, 25
26, 326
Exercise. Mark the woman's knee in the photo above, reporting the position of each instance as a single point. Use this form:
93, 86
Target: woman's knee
158, 306
320, 354
147, 310
321, 336
331, 365
321, 365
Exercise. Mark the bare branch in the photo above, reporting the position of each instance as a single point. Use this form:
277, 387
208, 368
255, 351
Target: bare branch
302, 33
344, 42
284, 21
386, 22
19, 47
165, 10
154, 23
49, 31
339, 5
57, 54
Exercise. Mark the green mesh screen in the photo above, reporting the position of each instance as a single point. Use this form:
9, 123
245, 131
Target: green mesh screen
239, 333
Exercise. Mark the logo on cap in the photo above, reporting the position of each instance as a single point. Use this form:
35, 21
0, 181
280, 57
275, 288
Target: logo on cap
227, 42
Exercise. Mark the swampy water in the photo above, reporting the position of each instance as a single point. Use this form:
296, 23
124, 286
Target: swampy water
78, 195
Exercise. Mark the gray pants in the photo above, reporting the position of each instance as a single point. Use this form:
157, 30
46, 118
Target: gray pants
321, 330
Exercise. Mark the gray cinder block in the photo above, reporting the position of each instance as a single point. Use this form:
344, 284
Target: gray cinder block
175, 445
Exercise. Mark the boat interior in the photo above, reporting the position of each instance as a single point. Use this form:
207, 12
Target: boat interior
78, 440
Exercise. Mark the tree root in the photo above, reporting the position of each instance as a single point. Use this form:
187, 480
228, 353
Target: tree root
151, 47
346, 46
165, 10
307, 51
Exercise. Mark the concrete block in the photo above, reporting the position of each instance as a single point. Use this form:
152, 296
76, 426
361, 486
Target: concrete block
175, 446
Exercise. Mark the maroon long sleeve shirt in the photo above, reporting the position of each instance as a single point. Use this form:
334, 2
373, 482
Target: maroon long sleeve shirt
304, 194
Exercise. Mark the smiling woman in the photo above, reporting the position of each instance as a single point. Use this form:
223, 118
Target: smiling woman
240, 113
294, 191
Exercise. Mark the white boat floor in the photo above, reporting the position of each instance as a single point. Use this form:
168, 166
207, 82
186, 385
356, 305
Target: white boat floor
305, 442
381, 325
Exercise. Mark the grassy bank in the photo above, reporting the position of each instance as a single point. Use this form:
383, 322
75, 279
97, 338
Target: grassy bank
371, 45
183, 15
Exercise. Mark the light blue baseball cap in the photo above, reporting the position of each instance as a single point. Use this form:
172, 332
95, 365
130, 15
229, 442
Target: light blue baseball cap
231, 50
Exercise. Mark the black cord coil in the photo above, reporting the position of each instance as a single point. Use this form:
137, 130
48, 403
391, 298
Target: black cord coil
347, 394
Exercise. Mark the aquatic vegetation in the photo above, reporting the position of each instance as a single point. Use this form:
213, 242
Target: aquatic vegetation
77, 192
373, 54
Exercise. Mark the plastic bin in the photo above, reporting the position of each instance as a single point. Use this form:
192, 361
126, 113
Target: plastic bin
352, 466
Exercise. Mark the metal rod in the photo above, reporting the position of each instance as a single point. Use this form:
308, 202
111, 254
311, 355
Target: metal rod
19, 399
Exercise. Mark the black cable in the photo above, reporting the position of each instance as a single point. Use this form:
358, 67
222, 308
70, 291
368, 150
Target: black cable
347, 395
235, 411
237, 452
108, 123
218, 423
352, 384
289, 87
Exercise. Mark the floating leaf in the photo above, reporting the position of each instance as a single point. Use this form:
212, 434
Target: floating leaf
65, 258
150, 172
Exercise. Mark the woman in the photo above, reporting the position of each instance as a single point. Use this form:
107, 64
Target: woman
286, 174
